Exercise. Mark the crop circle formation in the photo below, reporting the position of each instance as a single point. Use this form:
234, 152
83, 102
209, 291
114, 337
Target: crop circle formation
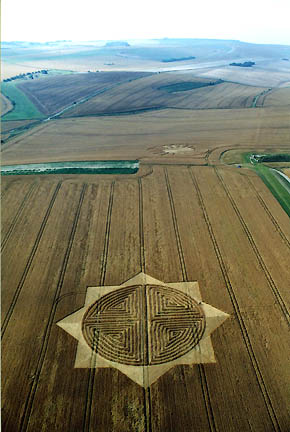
143, 325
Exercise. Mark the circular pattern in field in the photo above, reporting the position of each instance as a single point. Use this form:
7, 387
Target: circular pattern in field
177, 149
143, 325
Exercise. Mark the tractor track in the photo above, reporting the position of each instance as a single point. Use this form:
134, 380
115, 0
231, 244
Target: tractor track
141, 227
146, 391
30, 259
175, 225
92, 370
201, 369
45, 340
271, 283
17, 215
271, 217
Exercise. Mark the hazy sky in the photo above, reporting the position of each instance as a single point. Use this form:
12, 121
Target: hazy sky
261, 21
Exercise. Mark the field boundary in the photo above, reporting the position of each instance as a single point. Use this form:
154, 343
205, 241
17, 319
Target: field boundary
30, 259
45, 339
17, 215
201, 369
271, 283
236, 308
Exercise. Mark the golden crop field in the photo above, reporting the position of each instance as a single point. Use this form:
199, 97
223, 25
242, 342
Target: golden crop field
62, 234
156, 301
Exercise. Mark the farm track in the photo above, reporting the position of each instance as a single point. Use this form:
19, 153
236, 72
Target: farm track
30, 259
17, 215
236, 308
43, 350
271, 217
201, 370
92, 370
147, 409
271, 283
33, 132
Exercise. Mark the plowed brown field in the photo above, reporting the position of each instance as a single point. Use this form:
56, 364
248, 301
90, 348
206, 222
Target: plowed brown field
53, 93
218, 226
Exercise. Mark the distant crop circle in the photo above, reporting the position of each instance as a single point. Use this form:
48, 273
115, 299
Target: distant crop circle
143, 325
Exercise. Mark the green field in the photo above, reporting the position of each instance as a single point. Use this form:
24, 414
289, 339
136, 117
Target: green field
185, 86
23, 109
277, 185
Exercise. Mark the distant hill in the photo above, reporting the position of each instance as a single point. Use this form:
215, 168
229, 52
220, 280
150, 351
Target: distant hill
114, 44
209, 58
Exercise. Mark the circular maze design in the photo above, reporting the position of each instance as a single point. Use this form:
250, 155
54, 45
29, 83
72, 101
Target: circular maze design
143, 325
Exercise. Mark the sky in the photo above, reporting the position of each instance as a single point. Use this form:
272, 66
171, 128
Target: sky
260, 21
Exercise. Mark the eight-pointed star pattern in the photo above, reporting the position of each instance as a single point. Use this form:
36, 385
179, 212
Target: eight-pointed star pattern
143, 327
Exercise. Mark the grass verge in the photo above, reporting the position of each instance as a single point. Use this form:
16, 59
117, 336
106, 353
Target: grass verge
277, 185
